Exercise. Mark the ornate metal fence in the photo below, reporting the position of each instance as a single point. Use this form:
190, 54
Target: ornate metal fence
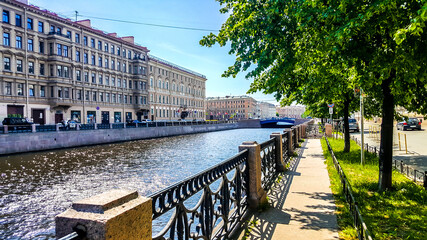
285, 150
217, 213
45, 128
359, 224
295, 137
268, 163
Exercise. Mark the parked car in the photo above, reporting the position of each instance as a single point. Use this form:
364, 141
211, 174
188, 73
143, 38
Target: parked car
410, 123
15, 123
353, 126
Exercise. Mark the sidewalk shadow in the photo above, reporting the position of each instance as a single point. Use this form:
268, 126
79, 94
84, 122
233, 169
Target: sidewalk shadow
266, 221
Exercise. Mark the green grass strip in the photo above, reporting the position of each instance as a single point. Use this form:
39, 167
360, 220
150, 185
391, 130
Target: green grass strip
397, 214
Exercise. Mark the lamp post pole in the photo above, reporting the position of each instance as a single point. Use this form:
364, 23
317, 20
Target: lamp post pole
362, 147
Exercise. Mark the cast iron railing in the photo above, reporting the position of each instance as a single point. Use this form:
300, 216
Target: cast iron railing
268, 163
359, 224
46, 128
285, 150
217, 213
103, 126
87, 126
295, 137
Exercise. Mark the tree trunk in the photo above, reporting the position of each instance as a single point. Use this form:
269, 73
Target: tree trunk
346, 125
386, 145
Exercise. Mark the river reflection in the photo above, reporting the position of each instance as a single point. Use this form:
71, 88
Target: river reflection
35, 187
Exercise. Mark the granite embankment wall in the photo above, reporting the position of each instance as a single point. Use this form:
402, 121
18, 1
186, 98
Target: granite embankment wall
39, 141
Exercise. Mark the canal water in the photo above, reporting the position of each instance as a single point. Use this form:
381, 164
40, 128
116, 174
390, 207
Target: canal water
35, 187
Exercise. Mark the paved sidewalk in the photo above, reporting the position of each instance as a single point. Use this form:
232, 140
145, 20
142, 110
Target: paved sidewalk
302, 203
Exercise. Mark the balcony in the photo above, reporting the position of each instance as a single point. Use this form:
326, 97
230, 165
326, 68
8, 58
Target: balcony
57, 34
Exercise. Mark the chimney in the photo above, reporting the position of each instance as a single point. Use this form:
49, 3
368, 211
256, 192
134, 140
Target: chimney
129, 39
112, 34
85, 22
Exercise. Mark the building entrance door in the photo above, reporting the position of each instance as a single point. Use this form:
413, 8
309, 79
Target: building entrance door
59, 117
38, 116
105, 117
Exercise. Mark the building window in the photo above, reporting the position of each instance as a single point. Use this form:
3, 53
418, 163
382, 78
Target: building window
130, 83
42, 91
78, 75
87, 95
107, 97
30, 45
77, 38
85, 58
20, 89
119, 82
100, 79
99, 45
59, 30
112, 49
93, 60
69, 34
41, 47
66, 92
129, 54
124, 83
92, 42
5, 16
41, 27
106, 63
130, 99
41, 68
18, 42
52, 29
101, 97
30, 23
118, 51
100, 61
65, 51
6, 61
31, 67
59, 71
113, 81
66, 72
124, 67
93, 78
6, 39
106, 47
86, 77
18, 20
113, 65
85, 40
31, 90
77, 56
107, 80
118, 66
79, 94
8, 88
19, 65
59, 49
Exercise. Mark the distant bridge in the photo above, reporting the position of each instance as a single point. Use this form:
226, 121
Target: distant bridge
277, 123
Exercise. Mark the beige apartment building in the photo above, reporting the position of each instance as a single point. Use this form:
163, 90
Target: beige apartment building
175, 91
231, 107
291, 111
54, 68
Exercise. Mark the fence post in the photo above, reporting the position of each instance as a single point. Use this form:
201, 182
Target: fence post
5, 129
57, 127
256, 194
111, 126
117, 214
290, 141
77, 126
401, 166
425, 180
280, 167
95, 126
415, 175
33, 128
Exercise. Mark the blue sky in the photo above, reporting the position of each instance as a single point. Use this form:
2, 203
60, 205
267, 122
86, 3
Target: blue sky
178, 46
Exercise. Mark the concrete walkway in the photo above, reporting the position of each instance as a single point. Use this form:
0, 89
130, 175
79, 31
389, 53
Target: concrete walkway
302, 203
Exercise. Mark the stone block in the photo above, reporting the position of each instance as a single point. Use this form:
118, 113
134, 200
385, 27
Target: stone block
117, 214
328, 130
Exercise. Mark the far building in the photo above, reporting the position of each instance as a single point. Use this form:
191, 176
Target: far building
231, 107
266, 110
291, 111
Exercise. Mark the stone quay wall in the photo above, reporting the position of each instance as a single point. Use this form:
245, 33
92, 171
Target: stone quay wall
39, 141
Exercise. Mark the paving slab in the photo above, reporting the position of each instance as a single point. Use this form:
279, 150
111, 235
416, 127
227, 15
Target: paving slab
302, 205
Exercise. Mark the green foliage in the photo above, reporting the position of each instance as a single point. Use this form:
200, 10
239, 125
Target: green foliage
397, 214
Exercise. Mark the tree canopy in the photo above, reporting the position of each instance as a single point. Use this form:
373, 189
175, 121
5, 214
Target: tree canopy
308, 51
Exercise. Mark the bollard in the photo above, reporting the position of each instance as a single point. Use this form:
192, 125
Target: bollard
95, 126
33, 128
280, 167
398, 137
111, 126
57, 127
77, 126
117, 214
401, 166
406, 145
256, 195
